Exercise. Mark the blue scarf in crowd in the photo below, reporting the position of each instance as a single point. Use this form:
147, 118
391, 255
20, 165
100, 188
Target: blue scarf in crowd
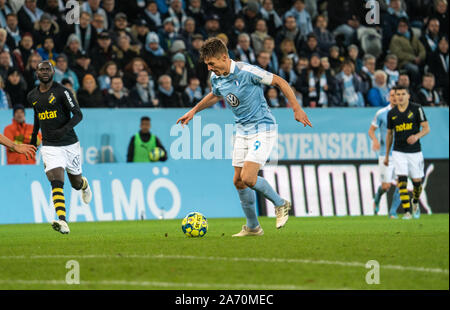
194, 94
168, 93
3, 100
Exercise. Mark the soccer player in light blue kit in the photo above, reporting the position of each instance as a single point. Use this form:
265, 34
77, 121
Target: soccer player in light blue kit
387, 174
241, 85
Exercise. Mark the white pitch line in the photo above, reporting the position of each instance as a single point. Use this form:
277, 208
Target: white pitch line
163, 284
234, 259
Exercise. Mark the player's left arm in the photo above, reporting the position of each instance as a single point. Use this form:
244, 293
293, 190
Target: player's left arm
423, 124
299, 113
71, 103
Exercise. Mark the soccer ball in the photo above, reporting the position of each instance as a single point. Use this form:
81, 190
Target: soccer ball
156, 154
194, 225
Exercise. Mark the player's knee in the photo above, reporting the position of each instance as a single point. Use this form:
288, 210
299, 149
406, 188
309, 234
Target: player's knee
249, 180
238, 183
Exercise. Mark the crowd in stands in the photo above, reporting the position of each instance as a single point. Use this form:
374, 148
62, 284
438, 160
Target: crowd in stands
145, 53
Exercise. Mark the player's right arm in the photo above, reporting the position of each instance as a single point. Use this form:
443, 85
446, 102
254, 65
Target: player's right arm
207, 101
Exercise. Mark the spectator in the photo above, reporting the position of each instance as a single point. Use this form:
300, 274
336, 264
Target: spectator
46, 28
273, 20
108, 71
152, 16
324, 37
188, 31
143, 94
117, 96
104, 51
5, 9
390, 20
3, 37
5, 64
273, 97
93, 7
350, 85
140, 32
344, 19
131, 71
367, 72
23, 52
269, 47
176, 13
353, 54
439, 66
302, 17
121, 29
335, 59
201, 70
378, 96
440, 12
196, 11
5, 101
223, 11
179, 47
73, 46
89, 95
30, 72
243, 50
144, 142
192, 93
16, 87
62, 71
409, 50
12, 28
288, 49
250, 14
237, 29
68, 84
325, 64
47, 51
85, 32
317, 85
179, 73
212, 25
28, 15
126, 52
290, 31
427, 95
83, 65
167, 35
311, 46
390, 67
430, 38
302, 64
167, 96
258, 36
263, 61
404, 81
99, 23
155, 56
19, 132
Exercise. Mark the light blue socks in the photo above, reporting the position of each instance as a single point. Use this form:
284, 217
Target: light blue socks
263, 187
395, 202
248, 202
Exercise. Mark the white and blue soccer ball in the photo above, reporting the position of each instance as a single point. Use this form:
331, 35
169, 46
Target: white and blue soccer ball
194, 225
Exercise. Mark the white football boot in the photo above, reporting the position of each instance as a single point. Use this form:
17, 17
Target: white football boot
407, 216
416, 210
257, 231
282, 213
86, 194
61, 226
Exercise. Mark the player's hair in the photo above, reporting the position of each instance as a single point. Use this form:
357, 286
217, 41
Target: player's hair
48, 63
145, 118
213, 47
399, 87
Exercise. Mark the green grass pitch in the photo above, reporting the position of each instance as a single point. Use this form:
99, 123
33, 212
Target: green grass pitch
308, 253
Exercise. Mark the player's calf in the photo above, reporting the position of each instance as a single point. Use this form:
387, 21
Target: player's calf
404, 196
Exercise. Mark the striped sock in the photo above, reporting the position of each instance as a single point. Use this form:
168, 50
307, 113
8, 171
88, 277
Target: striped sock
417, 191
58, 199
404, 196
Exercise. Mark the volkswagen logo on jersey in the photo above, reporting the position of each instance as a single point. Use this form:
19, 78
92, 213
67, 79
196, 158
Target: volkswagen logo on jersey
232, 100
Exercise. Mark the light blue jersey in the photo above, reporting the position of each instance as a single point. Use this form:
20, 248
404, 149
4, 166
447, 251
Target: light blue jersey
380, 121
243, 91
